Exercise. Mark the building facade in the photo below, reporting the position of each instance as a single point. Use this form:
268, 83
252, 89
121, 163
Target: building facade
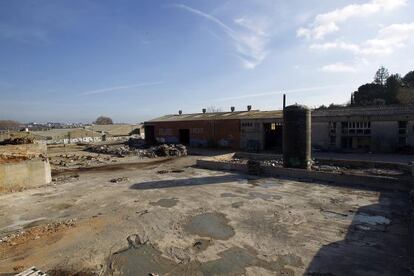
365, 129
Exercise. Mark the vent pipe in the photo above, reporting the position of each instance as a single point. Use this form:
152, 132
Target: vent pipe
249, 107
180, 112
232, 109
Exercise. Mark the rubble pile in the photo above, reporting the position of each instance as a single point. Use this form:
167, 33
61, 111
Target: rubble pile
67, 160
127, 150
35, 232
17, 141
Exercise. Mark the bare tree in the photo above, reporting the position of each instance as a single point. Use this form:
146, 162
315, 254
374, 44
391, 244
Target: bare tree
381, 76
102, 120
9, 125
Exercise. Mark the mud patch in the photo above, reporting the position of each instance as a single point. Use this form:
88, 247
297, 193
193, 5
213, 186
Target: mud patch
237, 204
201, 244
165, 202
62, 206
212, 225
228, 195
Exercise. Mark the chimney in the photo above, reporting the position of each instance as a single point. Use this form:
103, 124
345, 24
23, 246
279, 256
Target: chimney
232, 109
180, 112
284, 101
204, 110
249, 107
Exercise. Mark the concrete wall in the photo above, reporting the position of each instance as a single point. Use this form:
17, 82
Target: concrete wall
253, 130
221, 133
24, 174
384, 136
23, 150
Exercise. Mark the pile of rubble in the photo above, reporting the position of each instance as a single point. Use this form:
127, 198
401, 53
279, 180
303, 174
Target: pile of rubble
17, 141
35, 232
128, 150
66, 160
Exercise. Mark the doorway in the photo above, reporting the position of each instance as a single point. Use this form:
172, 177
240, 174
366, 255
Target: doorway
149, 134
273, 137
184, 136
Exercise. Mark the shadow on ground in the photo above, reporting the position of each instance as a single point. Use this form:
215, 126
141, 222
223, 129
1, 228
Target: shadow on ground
172, 183
378, 241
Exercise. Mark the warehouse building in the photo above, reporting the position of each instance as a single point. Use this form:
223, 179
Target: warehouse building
376, 129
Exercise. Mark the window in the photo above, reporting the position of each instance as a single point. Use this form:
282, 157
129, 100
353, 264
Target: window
273, 126
360, 128
332, 141
402, 141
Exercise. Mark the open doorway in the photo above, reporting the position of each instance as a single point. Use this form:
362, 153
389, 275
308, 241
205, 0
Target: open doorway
273, 135
184, 136
149, 134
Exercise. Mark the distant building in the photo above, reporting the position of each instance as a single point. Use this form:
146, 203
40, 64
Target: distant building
117, 132
69, 136
376, 129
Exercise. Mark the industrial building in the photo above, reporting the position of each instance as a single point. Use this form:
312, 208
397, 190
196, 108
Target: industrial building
375, 129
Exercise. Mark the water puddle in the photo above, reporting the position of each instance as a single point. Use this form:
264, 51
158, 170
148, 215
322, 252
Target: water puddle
165, 202
212, 225
372, 220
265, 197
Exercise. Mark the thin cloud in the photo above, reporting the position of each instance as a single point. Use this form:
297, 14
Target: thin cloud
250, 44
116, 88
327, 23
387, 41
338, 67
256, 95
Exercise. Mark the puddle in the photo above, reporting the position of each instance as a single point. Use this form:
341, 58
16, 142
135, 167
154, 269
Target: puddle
145, 259
237, 204
165, 202
142, 260
373, 220
213, 225
266, 197
358, 218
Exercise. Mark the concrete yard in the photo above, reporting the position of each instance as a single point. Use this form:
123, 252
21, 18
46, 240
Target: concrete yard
167, 217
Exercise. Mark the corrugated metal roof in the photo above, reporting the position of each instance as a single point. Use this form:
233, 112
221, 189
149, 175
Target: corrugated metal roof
245, 115
256, 114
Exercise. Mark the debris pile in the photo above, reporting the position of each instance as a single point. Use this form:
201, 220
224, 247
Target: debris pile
67, 160
17, 141
35, 232
66, 178
127, 150
119, 179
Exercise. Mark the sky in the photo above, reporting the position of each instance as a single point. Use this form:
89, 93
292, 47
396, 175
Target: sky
74, 60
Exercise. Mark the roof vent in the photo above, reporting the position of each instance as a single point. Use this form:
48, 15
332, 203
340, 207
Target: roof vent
232, 109
249, 107
204, 110
180, 112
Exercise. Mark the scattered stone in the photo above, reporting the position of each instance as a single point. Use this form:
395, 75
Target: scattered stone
119, 179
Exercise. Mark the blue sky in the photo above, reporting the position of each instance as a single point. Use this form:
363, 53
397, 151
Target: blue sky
135, 60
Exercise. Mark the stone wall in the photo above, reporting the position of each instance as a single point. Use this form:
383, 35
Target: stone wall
23, 166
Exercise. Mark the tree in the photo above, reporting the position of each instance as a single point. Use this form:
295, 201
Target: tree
381, 76
102, 120
409, 79
369, 94
392, 86
9, 125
